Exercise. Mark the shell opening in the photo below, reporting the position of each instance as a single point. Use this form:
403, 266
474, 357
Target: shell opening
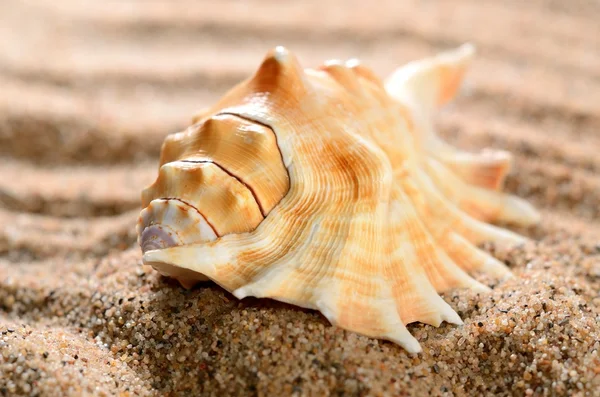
167, 223
158, 237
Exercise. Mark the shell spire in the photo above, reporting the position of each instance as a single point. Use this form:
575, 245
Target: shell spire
279, 76
352, 205
279, 66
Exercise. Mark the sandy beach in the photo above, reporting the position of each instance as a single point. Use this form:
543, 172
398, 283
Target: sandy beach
88, 92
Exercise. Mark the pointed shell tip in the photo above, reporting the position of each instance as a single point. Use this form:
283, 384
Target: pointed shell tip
281, 54
153, 256
241, 293
411, 346
352, 63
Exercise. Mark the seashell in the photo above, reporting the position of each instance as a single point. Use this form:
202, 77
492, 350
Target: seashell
328, 189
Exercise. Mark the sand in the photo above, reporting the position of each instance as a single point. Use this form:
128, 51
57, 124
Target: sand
89, 90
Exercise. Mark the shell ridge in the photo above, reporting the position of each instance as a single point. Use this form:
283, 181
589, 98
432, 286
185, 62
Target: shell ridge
486, 169
191, 205
433, 81
483, 204
395, 331
444, 211
473, 258
277, 144
344, 76
216, 260
243, 112
231, 174
440, 270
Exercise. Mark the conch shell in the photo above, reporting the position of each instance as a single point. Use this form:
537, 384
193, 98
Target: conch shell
328, 189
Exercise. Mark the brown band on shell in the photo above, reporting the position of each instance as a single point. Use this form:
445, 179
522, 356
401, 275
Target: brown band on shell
197, 210
264, 212
231, 175
225, 201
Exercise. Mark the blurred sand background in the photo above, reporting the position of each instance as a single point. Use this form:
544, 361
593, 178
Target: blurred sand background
88, 91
